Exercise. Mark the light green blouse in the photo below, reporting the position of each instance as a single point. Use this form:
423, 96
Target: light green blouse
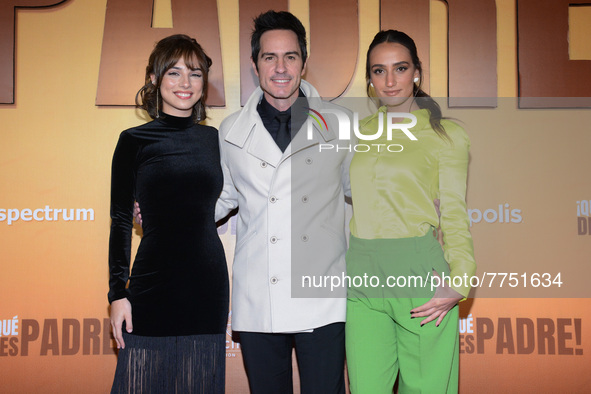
393, 189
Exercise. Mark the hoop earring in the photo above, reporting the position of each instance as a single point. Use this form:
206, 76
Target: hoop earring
157, 100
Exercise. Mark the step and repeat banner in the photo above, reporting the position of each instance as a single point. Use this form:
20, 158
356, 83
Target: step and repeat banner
518, 77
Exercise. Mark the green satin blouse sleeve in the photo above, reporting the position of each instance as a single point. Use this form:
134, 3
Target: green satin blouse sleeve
454, 222
393, 192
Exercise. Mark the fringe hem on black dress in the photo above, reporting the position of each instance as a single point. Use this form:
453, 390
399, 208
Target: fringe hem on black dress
185, 364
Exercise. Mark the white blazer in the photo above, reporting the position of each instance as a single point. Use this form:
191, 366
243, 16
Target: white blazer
291, 221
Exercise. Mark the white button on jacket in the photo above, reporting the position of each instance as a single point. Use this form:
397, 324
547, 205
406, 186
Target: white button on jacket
260, 180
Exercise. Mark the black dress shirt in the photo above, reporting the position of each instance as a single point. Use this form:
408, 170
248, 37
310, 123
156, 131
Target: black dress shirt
268, 115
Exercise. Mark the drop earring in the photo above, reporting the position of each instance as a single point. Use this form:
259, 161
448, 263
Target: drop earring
157, 100
371, 84
416, 79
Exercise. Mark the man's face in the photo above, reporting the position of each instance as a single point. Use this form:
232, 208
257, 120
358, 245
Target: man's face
280, 67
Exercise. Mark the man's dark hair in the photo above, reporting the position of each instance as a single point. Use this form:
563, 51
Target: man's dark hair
272, 20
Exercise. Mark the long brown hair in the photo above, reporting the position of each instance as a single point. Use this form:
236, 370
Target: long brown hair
165, 55
424, 100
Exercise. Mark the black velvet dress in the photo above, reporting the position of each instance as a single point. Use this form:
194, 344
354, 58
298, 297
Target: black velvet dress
178, 287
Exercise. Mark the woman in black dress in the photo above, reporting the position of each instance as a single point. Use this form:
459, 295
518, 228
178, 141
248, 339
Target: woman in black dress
170, 321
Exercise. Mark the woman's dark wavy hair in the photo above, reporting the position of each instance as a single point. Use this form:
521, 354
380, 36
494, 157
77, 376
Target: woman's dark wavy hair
425, 101
165, 55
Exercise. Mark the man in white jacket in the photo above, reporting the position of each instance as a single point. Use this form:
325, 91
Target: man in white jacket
291, 219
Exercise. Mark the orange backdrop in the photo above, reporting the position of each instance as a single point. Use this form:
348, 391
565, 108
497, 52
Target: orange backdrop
528, 196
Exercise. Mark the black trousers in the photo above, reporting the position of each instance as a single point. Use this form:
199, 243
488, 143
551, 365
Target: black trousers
320, 355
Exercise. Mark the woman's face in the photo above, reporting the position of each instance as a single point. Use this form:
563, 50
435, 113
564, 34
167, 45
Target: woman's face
181, 89
392, 73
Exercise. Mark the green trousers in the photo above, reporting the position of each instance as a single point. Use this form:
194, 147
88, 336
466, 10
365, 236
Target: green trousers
382, 340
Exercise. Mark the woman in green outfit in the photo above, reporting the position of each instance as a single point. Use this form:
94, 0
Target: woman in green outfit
403, 325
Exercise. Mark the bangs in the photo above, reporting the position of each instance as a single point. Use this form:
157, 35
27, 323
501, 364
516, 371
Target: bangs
192, 60
189, 55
